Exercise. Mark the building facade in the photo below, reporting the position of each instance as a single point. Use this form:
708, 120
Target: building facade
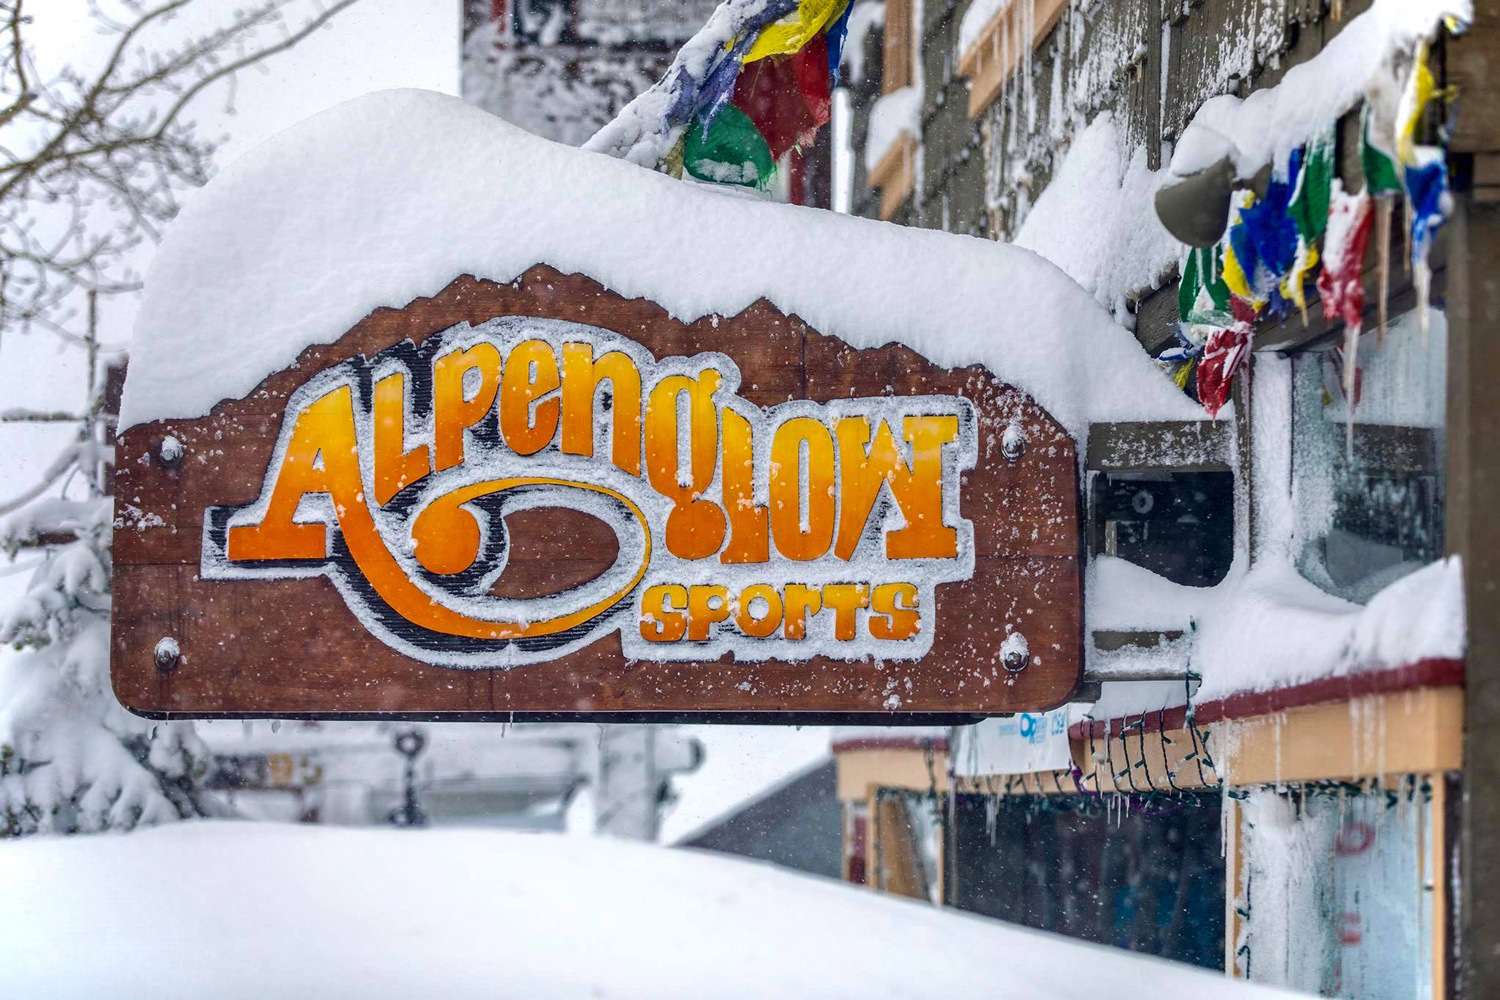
1280, 762
562, 69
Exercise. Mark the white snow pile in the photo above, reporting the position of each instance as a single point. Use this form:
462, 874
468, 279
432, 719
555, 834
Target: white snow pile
1095, 220
892, 116
231, 910
1268, 628
866, 16
979, 14
1266, 126
391, 196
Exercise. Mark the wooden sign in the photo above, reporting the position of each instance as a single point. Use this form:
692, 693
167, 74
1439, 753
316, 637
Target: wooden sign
544, 499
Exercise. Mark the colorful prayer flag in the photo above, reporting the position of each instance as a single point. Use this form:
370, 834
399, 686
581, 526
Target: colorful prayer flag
779, 82
1377, 156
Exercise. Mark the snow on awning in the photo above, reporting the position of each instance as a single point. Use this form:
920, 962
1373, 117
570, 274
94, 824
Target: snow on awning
390, 197
1267, 631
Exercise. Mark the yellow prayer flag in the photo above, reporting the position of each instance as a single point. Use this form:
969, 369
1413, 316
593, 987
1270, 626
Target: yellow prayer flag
787, 35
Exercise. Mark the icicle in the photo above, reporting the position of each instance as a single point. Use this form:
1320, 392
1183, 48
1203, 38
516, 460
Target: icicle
1421, 280
1427, 183
1383, 211
1410, 217
1341, 283
1351, 383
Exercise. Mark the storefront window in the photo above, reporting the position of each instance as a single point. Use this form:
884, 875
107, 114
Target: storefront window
1337, 899
1150, 881
1369, 519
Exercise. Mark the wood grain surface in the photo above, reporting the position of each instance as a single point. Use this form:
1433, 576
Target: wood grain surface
292, 647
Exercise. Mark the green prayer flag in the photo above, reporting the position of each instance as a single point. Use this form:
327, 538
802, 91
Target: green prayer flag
733, 151
1203, 297
1382, 173
1187, 291
1309, 207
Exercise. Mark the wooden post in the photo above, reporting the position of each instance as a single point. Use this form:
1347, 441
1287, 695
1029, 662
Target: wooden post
1473, 476
1474, 533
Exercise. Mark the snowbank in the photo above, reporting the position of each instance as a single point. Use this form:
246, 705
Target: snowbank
1095, 220
1266, 126
231, 910
389, 197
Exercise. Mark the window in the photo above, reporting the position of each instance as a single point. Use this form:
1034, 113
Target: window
1149, 881
1338, 895
1367, 520
1176, 524
544, 22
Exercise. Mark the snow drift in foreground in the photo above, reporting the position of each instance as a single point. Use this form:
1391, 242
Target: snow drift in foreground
230, 910
390, 197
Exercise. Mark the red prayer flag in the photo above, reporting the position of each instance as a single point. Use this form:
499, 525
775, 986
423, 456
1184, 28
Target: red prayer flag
787, 97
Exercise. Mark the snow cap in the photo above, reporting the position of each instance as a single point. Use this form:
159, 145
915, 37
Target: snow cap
389, 197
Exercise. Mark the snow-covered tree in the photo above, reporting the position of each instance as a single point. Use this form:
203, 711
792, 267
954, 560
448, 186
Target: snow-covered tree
71, 759
93, 160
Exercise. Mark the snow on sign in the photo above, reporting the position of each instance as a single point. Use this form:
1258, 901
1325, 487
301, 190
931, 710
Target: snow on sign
542, 497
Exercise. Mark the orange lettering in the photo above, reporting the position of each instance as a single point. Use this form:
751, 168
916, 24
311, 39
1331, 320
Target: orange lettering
662, 621
581, 376
749, 538
530, 374
706, 606
801, 603
897, 602
453, 411
792, 539
395, 468
320, 458
695, 527
845, 599
744, 617
920, 493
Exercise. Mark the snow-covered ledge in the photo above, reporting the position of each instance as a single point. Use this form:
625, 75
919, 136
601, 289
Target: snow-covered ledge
891, 147
994, 36
390, 197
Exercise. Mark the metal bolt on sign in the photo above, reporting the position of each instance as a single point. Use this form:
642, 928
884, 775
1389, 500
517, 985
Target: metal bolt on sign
1013, 443
1015, 653
167, 654
171, 451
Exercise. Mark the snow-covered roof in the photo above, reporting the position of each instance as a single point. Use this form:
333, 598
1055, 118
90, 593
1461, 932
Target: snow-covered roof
391, 196
741, 765
1266, 126
252, 910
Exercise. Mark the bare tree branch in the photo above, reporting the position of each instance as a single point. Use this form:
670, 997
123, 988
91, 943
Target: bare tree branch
92, 166
254, 57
